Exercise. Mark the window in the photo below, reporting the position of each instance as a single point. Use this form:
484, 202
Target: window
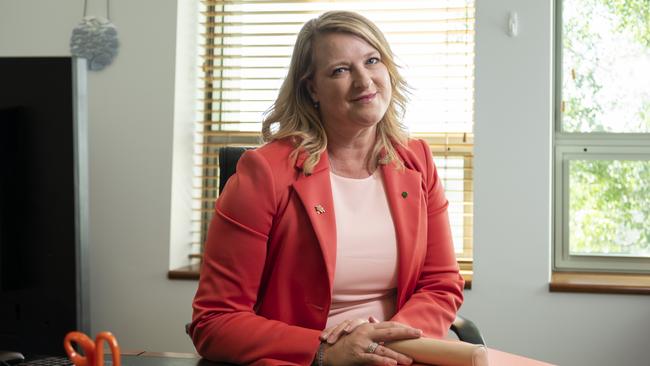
602, 136
248, 46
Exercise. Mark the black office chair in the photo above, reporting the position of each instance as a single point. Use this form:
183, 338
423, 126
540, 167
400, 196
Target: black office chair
464, 329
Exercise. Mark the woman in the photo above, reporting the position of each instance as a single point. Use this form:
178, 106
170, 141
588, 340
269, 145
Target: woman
339, 218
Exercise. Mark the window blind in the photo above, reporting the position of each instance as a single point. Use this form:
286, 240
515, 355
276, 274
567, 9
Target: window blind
245, 55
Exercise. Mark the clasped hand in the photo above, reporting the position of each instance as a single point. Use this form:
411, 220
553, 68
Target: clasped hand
349, 343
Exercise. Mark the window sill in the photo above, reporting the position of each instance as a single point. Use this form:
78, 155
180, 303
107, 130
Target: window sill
467, 276
191, 272
601, 283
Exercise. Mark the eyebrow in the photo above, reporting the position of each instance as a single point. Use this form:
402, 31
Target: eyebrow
371, 53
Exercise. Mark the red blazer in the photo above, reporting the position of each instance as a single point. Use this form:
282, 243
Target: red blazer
268, 268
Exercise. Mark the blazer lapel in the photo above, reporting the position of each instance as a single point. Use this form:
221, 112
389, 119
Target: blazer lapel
315, 192
404, 195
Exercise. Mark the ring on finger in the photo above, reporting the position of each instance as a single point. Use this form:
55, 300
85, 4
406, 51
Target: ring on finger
372, 347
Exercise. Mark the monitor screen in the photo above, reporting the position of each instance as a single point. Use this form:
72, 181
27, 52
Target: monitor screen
40, 232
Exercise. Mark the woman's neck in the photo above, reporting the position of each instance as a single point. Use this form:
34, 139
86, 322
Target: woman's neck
349, 154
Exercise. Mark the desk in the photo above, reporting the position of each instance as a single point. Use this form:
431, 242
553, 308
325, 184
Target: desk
158, 359
496, 357
499, 358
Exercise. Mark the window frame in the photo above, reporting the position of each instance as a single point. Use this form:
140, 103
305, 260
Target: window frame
569, 146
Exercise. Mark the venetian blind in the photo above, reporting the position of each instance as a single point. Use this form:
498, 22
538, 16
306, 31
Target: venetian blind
246, 51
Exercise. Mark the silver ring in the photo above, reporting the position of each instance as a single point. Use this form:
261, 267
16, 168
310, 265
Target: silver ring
372, 347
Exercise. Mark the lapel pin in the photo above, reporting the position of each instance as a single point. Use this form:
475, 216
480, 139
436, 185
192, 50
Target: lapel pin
319, 209
405, 194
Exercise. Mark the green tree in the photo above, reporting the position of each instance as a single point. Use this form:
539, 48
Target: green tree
610, 206
633, 17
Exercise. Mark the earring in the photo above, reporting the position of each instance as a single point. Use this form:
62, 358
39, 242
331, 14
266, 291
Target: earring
316, 105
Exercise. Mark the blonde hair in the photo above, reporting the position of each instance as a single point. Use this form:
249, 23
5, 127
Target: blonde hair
293, 114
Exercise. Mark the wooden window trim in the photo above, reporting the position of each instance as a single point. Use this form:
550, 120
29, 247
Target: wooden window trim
600, 283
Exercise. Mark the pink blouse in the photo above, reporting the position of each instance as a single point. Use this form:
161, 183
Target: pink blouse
365, 279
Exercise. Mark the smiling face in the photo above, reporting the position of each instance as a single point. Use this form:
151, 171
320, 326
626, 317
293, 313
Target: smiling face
350, 83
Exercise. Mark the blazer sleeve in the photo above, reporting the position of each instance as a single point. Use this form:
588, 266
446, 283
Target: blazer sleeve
438, 292
224, 324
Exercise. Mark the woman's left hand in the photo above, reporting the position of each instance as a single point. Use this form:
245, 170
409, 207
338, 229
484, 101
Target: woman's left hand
332, 334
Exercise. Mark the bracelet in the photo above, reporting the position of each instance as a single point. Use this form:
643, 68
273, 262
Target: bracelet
319, 354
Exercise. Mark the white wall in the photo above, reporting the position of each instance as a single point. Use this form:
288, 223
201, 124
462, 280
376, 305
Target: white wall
131, 123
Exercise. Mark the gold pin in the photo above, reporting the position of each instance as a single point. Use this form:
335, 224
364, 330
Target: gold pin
319, 209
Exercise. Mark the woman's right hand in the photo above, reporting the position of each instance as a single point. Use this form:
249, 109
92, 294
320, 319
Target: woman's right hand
353, 348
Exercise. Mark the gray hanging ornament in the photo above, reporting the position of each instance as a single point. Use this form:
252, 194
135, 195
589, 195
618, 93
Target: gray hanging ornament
95, 39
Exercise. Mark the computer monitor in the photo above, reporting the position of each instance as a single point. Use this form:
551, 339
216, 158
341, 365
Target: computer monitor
43, 202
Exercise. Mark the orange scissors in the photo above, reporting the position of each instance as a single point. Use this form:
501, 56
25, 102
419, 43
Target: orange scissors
93, 351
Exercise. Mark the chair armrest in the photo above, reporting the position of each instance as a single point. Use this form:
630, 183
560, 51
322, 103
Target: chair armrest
467, 331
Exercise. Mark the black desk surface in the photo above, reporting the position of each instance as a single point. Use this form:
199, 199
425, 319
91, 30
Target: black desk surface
165, 361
